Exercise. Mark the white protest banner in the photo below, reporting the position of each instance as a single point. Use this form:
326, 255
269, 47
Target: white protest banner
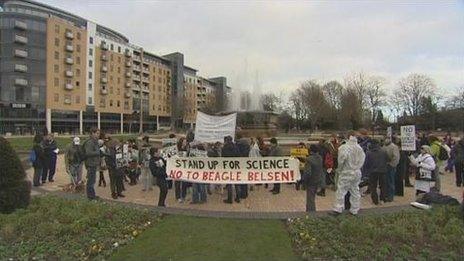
234, 170
408, 138
210, 128
168, 152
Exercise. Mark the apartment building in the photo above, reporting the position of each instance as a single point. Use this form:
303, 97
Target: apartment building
67, 74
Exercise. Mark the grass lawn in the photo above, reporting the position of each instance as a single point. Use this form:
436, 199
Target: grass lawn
418, 235
25, 143
53, 228
191, 238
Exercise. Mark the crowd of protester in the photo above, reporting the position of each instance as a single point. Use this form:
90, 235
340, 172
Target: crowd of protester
354, 165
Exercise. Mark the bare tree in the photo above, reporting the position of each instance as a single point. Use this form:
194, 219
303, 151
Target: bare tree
351, 111
270, 102
411, 91
333, 92
296, 107
358, 83
375, 94
315, 102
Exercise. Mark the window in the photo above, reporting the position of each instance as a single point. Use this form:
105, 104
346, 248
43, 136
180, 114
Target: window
119, 69
111, 103
56, 68
102, 102
57, 28
111, 47
119, 51
119, 104
90, 100
91, 40
78, 99
159, 70
56, 97
119, 59
111, 89
119, 80
90, 75
154, 78
90, 63
90, 51
77, 84
56, 82
57, 55
90, 88
78, 73
57, 42
78, 60
78, 35
118, 91
111, 57
78, 48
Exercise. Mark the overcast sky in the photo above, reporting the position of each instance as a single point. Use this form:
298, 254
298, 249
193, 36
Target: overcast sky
280, 44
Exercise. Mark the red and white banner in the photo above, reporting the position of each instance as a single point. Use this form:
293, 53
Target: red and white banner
234, 170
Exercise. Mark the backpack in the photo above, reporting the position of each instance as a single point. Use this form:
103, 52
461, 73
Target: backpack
32, 156
443, 155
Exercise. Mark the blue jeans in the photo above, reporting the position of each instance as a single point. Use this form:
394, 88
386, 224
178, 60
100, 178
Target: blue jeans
199, 193
91, 178
391, 172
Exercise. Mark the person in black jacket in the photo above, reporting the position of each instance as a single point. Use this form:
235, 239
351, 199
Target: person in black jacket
38, 164
376, 170
158, 170
230, 150
243, 147
312, 175
50, 156
114, 163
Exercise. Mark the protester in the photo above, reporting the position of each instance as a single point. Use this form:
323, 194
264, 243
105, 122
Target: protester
426, 164
158, 170
114, 162
230, 150
144, 161
92, 160
102, 166
243, 148
328, 164
435, 149
458, 151
350, 161
312, 174
393, 153
180, 187
37, 159
275, 151
50, 157
198, 189
302, 160
73, 159
376, 168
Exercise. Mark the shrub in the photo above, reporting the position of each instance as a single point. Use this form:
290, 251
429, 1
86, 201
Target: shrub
15, 191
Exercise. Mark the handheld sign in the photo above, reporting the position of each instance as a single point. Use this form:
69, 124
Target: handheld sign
299, 152
408, 138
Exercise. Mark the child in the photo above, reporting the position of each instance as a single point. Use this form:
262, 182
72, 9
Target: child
158, 170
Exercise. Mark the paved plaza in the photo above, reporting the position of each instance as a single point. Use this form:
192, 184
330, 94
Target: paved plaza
259, 200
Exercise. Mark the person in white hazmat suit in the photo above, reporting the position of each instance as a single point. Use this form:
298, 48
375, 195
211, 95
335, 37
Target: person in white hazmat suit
350, 161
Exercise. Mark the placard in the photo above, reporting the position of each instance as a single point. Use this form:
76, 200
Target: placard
209, 128
225, 170
408, 138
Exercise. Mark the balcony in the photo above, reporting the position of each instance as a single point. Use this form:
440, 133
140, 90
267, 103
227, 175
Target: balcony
136, 78
103, 91
68, 86
69, 60
20, 68
104, 69
104, 58
136, 68
67, 101
128, 53
145, 79
69, 35
20, 82
136, 58
104, 46
20, 53
128, 85
20, 25
104, 80
127, 95
128, 74
20, 39
68, 73
69, 48
128, 64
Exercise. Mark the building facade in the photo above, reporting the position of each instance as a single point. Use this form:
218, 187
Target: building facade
67, 74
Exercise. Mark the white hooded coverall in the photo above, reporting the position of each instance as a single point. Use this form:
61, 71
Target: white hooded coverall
350, 161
